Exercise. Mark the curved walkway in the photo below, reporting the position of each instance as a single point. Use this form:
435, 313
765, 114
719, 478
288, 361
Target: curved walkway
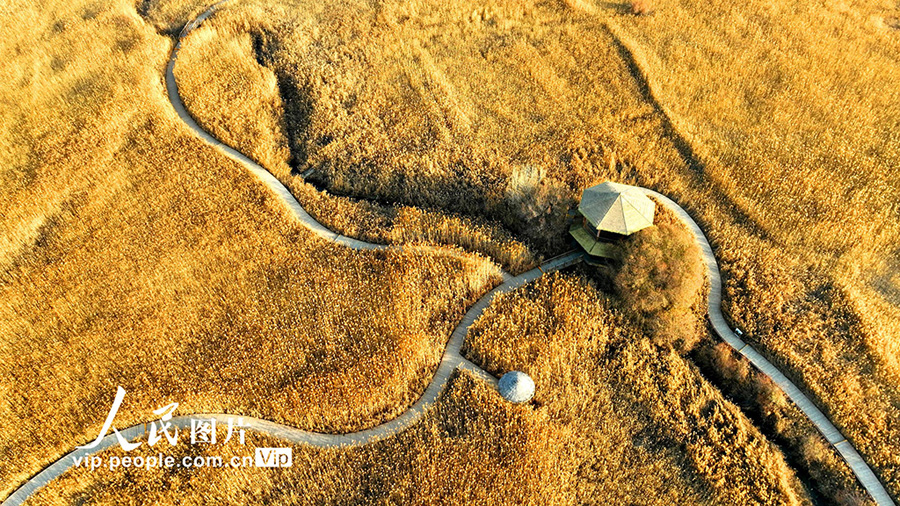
452, 359
860, 468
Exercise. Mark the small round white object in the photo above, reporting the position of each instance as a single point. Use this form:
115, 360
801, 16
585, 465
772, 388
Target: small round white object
516, 386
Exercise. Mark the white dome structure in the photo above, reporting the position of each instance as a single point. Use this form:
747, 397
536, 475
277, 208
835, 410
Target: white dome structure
516, 386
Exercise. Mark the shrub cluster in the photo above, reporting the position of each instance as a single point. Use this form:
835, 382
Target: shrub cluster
660, 282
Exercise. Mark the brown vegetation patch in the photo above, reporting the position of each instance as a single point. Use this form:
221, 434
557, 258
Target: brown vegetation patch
640, 7
660, 280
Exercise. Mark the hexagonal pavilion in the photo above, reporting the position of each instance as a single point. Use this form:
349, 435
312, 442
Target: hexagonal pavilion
608, 212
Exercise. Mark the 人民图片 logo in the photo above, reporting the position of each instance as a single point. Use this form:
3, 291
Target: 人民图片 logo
202, 431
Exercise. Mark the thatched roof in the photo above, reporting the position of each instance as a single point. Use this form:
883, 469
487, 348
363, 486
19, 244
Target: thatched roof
617, 208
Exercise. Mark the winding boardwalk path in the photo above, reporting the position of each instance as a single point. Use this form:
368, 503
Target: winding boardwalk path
860, 468
452, 359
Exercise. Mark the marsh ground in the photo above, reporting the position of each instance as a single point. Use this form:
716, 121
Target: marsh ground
126, 266
133, 254
773, 124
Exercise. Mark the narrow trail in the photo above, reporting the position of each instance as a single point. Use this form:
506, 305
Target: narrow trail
637, 62
452, 359
832, 434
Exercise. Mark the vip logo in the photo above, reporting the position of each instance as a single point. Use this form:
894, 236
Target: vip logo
274, 457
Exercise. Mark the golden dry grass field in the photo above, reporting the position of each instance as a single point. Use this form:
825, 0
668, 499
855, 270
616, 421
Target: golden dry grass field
774, 124
601, 432
137, 256
133, 254
255, 126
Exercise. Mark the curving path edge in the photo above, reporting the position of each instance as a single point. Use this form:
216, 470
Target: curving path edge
832, 434
452, 359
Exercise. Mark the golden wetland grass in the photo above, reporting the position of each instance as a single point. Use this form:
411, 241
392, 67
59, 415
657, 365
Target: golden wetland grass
133, 254
603, 430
